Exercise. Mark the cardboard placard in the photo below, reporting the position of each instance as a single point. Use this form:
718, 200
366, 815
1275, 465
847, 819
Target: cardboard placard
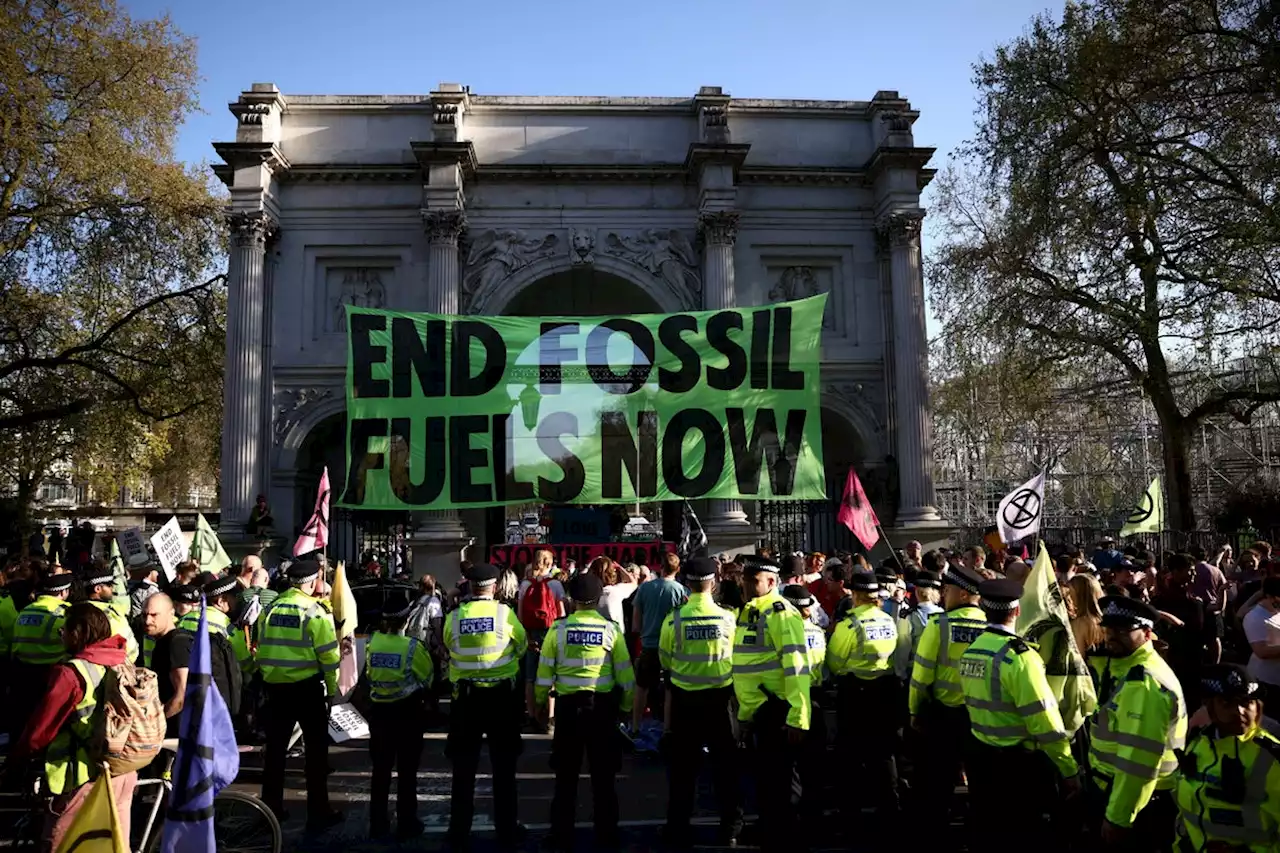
171, 547
345, 723
133, 547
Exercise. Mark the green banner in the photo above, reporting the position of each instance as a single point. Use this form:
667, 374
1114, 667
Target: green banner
448, 412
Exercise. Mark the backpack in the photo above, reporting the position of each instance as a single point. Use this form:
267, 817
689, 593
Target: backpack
538, 607
134, 717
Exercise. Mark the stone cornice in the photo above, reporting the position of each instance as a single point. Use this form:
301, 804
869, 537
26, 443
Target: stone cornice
590, 104
553, 173
700, 153
462, 154
238, 155
915, 159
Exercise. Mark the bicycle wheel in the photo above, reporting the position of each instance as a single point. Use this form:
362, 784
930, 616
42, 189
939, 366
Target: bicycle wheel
242, 824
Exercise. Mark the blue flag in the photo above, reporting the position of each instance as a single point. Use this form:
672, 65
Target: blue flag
208, 757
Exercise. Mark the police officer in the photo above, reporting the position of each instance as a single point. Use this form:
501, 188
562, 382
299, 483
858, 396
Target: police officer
220, 593
812, 764
695, 649
37, 645
935, 699
771, 683
584, 659
298, 657
399, 672
1016, 726
1228, 791
860, 657
102, 594
486, 644
1141, 720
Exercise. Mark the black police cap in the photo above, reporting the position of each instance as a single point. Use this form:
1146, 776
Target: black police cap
1119, 611
585, 588
863, 582
221, 586
483, 574
301, 571
1229, 681
1000, 594
929, 580
963, 578
699, 569
185, 593
797, 595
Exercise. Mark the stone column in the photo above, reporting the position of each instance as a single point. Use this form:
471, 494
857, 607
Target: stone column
242, 437
439, 535
719, 230
911, 373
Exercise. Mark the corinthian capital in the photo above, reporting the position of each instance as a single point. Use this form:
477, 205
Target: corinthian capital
900, 228
251, 229
444, 226
718, 227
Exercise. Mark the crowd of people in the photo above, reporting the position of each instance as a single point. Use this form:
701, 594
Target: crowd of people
831, 695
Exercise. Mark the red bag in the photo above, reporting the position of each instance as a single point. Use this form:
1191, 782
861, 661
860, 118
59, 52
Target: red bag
538, 608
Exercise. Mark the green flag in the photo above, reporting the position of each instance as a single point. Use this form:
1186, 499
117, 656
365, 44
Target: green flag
120, 587
1044, 621
1148, 515
206, 550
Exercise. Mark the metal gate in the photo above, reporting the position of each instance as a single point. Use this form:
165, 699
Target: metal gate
357, 536
804, 526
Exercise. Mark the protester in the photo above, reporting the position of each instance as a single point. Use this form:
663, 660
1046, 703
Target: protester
653, 601
1262, 629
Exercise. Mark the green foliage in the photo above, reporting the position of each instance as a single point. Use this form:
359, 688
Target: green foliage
110, 310
1114, 215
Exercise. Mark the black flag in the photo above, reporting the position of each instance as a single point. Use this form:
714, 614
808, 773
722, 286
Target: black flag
693, 539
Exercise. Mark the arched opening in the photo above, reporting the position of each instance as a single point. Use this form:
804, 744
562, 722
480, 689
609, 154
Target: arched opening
812, 525
581, 292
353, 535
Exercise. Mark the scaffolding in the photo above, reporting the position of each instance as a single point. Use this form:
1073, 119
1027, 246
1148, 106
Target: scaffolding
1101, 446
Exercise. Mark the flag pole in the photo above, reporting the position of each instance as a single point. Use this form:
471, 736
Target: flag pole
892, 550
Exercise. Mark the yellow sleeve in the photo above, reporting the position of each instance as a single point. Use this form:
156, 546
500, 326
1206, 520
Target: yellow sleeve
1142, 719
423, 669
666, 641
922, 668
840, 648
623, 675
786, 633
519, 639
546, 678
1025, 683
325, 642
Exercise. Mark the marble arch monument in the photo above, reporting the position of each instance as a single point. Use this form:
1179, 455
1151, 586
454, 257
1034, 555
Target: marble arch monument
455, 202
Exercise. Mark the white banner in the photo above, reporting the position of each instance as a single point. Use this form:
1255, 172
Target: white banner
171, 546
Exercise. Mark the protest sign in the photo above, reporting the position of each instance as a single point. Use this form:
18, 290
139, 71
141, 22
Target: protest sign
132, 547
346, 723
170, 546
641, 553
448, 412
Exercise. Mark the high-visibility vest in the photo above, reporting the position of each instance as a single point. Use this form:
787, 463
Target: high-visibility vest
946, 638
397, 667
1206, 815
219, 623
486, 642
696, 644
37, 635
120, 626
584, 652
816, 640
148, 650
1009, 699
1140, 721
68, 763
771, 658
298, 642
8, 618
863, 644
243, 648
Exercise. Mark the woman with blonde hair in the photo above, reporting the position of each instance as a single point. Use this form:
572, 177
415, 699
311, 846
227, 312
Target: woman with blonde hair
619, 584
1082, 595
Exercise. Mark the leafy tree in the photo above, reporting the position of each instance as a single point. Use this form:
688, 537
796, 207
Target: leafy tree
1115, 210
109, 309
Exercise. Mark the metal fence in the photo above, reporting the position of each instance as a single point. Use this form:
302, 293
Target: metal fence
357, 536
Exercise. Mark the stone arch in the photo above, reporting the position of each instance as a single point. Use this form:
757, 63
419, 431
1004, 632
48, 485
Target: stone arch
309, 418
494, 299
848, 403
851, 435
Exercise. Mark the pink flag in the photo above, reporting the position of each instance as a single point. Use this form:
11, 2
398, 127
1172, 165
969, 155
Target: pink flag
316, 534
856, 512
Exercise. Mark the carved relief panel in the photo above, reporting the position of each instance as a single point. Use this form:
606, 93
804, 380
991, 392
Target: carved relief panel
800, 278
